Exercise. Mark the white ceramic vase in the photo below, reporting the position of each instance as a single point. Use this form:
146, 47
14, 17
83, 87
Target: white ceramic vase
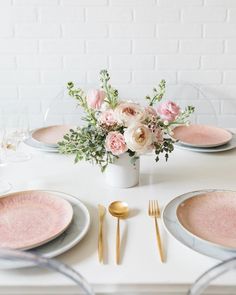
122, 173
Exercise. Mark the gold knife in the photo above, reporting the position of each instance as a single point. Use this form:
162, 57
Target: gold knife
101, 214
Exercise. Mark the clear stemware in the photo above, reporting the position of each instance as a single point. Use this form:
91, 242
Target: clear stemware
16, 131
5, 186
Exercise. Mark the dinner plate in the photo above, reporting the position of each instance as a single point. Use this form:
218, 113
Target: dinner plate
174, 227
68, 239
211, 217
29, 219
203, 136
50, 135
226, 147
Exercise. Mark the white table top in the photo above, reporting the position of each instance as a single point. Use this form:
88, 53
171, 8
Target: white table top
141, 267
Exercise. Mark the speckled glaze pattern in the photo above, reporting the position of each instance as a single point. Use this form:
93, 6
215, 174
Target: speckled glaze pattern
174, 227
74, 233
201, 135
211, 216
31, 218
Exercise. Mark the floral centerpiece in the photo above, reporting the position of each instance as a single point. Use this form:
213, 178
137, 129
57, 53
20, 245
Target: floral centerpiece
115, 127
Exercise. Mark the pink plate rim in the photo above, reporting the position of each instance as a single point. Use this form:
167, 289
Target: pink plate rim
46, 127
204, 145
198, 193
54, 195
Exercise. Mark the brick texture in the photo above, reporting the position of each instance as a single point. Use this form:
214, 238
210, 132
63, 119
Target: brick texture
190, 43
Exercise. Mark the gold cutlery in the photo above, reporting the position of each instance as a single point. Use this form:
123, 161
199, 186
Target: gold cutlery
101, 213
119, 210
154, 211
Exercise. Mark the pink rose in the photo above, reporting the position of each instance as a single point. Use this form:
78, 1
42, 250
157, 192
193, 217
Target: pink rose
95, 98
168, 111
115, 143
108, 118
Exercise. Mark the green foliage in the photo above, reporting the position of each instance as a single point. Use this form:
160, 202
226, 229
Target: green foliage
166, 147
111, 93
87, 143
157, 93
183, 117
80, 96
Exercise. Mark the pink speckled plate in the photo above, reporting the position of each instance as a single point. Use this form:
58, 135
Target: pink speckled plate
32, 218
211, 217
51, 135
201, 135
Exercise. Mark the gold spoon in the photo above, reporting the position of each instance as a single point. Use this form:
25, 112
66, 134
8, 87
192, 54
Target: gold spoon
119, 210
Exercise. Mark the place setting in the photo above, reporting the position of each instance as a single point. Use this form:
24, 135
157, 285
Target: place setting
45, 222
204, 221
50, 223
46, 139
203, 138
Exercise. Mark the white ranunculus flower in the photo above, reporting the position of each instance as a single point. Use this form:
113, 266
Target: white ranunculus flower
138, 138
128, 113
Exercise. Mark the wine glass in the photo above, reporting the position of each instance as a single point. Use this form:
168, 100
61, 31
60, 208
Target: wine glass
16, 131
5, 186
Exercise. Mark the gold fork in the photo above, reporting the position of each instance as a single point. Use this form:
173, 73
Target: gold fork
154, 211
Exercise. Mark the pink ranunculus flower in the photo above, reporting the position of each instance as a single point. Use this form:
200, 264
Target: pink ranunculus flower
168, 111
115, 143
95, 98
108, 118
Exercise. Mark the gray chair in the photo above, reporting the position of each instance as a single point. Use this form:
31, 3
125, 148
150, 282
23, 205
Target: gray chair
51, 264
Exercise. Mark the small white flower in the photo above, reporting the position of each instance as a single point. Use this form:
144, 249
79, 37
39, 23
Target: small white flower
166, 123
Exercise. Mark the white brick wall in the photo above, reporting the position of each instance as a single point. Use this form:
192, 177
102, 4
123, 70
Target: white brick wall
190, 43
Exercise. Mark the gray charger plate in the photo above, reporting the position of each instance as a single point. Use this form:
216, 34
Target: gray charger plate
222, 148
174, 227
40, 146
68, 239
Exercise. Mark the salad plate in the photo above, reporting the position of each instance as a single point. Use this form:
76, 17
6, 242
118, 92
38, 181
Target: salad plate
226, 147
76, 231
50, 135
175, 229
211, 217
201, 136
29, 219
